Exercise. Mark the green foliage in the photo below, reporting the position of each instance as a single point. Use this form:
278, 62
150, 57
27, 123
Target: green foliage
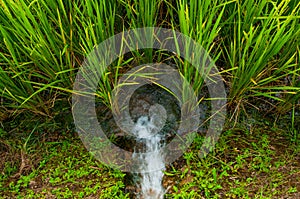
260, 46
36, 51
254, 43
43, 44
201, 21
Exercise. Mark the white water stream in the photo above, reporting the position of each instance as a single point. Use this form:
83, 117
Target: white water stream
151, 160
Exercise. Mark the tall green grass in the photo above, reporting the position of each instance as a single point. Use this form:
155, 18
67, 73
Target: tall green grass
202, 21
37, 54
43, 43
260, 45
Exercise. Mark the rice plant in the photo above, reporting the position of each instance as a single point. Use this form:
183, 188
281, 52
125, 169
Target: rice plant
201, 21
37, 53
260, 46
43, 43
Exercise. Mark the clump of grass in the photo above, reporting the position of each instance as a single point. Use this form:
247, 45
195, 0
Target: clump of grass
260, 46
43, 44
37, 53
200, 20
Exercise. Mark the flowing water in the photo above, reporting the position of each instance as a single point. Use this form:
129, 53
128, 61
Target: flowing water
151, 160
156, 116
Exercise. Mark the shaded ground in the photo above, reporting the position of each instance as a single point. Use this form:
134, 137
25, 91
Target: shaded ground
257, 165
255, 159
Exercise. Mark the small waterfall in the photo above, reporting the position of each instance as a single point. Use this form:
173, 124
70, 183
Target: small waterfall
151, 161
